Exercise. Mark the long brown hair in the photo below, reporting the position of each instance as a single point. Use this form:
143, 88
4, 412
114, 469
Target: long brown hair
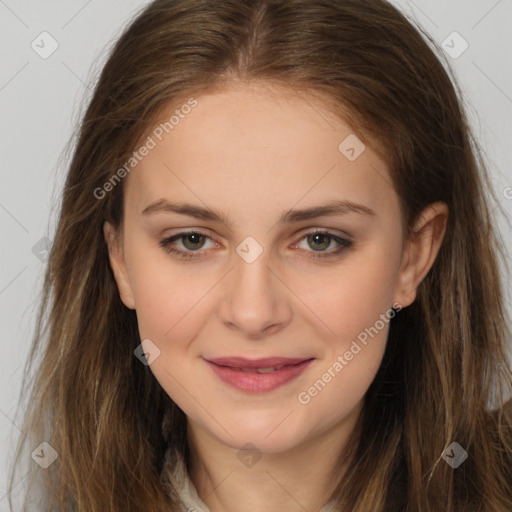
444, 377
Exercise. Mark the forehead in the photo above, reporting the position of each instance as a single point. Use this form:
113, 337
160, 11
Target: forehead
253, 148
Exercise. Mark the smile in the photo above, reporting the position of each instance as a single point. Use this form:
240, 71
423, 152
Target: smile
258, 379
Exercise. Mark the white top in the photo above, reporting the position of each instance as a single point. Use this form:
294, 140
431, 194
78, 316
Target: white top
174, 476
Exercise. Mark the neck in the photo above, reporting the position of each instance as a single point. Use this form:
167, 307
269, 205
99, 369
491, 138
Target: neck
297, 479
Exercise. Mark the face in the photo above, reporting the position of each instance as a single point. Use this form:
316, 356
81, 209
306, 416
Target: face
267, 276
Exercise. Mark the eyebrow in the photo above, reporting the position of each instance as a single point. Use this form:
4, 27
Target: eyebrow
330, 209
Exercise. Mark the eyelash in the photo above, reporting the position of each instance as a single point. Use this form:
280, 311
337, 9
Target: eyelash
189, 255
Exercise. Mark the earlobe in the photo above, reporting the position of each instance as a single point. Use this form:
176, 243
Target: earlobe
421, 251
118, 265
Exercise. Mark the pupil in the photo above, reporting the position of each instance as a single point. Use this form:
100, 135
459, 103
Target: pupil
192, 236
318, 236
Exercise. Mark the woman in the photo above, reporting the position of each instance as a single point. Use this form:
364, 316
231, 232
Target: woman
267, 285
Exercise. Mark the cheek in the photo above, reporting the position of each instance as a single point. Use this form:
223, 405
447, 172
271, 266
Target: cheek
342, 381
357, 309
354, 306
349, 296
167, 295
171, 307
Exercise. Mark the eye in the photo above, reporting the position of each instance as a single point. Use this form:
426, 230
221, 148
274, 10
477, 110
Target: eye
194, 241
321, 240
191, 240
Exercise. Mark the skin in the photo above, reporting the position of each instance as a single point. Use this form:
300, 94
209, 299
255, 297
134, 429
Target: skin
253, 153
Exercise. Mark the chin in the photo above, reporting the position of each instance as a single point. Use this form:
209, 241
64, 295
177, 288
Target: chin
265, 438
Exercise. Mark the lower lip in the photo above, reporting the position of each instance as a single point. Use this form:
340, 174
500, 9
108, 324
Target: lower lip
254, 382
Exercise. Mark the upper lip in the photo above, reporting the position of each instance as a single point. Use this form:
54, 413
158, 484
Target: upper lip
266, 362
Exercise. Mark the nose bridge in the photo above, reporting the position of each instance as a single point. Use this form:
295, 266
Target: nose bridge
255, 299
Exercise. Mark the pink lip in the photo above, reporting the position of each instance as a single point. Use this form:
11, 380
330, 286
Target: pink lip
252, 381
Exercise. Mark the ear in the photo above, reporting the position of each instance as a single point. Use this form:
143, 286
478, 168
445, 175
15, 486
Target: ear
118, 265
421, 251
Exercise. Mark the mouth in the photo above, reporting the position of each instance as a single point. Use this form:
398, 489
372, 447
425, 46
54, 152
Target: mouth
258, 375
263, 365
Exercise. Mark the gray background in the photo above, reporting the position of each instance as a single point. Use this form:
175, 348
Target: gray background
41, 100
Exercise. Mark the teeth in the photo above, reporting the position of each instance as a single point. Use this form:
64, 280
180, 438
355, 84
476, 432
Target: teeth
270, 369
266, 370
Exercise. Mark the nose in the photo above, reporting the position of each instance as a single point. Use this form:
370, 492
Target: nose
256, 301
